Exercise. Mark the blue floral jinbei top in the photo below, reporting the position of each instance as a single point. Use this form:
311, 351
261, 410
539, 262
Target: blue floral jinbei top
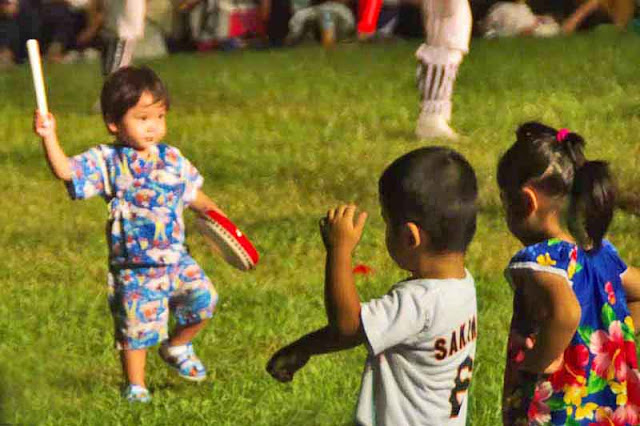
146, 199
598, 382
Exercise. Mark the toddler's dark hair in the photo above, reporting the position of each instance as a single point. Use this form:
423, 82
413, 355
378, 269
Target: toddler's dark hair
554, 163
122, 90
436, 188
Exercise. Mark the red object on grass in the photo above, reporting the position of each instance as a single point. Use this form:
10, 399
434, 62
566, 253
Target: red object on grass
227, 238
362, 269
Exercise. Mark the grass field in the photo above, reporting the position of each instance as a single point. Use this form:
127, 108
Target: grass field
279, 136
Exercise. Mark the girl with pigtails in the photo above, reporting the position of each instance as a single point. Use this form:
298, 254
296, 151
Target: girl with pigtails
571, 356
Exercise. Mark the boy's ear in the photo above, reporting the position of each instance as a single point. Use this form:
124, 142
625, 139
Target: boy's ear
413, 234
113, 128
530, 200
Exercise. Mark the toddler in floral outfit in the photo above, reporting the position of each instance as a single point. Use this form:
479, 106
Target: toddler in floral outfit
146, 184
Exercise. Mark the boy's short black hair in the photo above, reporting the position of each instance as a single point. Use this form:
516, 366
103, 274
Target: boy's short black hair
122, 90
436, 188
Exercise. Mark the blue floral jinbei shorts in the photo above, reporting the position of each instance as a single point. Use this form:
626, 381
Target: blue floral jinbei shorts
141, 299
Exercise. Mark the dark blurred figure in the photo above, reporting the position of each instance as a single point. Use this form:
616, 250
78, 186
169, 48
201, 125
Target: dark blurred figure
68, 25
18, 23
89, 20
410, 19
276, 15
58, 28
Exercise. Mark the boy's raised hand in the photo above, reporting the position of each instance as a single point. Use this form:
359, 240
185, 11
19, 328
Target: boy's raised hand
284, 363
339, 230
44, 126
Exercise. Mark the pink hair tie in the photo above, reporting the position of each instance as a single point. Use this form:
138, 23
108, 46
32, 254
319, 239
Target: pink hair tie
562, 134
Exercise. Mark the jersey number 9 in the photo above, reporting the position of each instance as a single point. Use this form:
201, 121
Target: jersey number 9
461, 385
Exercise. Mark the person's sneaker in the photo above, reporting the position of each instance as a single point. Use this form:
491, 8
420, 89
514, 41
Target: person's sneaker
184, 360
434, 126
136, 393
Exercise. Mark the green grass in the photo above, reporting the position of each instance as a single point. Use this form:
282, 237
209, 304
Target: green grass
279, 136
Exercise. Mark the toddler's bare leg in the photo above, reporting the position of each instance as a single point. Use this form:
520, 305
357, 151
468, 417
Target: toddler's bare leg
183, 334
133, 363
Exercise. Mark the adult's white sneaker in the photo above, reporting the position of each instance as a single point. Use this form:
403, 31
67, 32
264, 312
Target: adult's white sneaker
434, 126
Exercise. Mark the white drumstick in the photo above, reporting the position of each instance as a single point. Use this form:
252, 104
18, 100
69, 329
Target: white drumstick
36, 73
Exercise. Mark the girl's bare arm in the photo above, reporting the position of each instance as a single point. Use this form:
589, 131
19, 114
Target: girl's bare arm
558, 316
631, 285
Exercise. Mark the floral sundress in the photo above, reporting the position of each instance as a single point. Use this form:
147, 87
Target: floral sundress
598, 382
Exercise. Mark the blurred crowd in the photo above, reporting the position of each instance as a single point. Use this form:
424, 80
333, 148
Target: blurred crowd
71, 30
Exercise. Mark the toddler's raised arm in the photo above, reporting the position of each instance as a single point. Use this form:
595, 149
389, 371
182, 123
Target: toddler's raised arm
341, 232
202, 203
45, 127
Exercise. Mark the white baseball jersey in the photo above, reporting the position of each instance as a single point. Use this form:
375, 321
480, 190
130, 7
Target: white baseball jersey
448, 23
422, 342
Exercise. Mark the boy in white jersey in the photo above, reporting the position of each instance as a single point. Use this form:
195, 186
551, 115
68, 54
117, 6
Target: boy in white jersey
421, 335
